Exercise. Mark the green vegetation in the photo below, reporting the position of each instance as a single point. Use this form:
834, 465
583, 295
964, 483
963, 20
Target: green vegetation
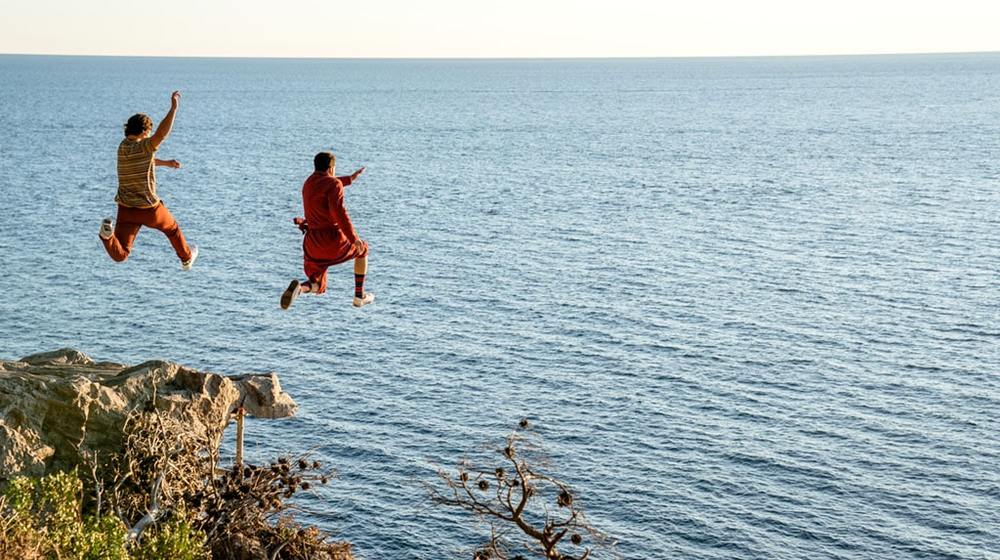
164, 496
43, 518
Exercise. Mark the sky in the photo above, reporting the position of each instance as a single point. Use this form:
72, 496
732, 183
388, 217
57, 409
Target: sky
490, 29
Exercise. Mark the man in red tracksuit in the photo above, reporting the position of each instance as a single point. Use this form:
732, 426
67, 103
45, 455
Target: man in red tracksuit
330, 238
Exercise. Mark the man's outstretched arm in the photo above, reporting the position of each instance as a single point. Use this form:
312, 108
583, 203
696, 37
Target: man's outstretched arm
167, 123
168, 163
348, 179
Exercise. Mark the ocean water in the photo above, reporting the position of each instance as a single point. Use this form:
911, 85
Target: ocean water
752, 306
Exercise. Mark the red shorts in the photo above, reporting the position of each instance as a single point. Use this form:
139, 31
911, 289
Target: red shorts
325, 248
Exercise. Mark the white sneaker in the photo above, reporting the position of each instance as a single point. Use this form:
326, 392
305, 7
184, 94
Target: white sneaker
364, 300
107, 228
290, 294
186, 265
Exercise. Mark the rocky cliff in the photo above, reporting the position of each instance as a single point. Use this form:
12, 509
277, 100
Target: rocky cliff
57, 406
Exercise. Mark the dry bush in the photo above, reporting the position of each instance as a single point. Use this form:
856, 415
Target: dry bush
530, 512
165, 470
246, 508
160, 465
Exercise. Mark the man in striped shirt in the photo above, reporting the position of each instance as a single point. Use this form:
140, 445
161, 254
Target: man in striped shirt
138, 204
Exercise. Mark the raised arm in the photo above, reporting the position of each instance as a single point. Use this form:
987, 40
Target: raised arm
163, 130
348, 179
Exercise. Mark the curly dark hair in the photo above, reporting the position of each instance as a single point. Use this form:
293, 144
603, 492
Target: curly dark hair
324, 161
137, 124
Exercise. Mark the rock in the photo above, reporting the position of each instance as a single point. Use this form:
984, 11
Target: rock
55, 407
262, 396
63, 356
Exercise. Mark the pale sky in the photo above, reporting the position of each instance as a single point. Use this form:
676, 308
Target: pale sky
483, 28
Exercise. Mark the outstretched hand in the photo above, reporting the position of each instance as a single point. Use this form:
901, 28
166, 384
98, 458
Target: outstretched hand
173, 163
357, 173
175, 99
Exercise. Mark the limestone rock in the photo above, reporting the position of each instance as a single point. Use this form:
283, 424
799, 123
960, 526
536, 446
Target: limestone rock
57, 406
64, 356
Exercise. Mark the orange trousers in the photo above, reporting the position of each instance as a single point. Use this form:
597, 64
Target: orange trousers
131, 219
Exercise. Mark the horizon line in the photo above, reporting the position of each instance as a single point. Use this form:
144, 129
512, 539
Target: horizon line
525, 58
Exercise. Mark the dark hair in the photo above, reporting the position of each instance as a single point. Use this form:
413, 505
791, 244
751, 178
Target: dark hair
324, 161
137, 124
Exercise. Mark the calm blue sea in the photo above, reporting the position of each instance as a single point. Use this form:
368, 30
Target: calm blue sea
751, 305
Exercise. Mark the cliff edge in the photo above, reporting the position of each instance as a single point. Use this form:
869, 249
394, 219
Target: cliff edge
58, 407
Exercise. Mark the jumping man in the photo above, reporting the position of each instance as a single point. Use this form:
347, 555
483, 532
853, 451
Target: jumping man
330, 238
138, 204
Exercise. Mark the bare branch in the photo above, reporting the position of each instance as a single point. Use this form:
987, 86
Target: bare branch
510, 503
151, 516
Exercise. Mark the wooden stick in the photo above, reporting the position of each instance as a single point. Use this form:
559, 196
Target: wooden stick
239, 436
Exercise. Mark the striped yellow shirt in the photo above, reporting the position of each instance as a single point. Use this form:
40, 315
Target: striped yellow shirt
136, 174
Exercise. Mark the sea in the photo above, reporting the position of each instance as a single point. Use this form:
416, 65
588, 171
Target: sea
749, 306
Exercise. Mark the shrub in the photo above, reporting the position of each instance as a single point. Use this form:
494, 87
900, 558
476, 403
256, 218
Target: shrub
164, 495
166, 471
42, 518
530, 512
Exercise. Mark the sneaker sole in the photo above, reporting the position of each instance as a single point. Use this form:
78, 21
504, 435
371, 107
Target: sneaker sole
290, 294
106, 231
